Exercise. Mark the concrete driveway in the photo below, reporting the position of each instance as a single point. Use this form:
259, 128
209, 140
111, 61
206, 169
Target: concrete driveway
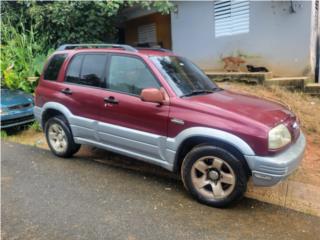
45, 197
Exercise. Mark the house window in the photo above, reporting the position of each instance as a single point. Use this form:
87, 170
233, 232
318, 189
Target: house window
147, 33
231, 17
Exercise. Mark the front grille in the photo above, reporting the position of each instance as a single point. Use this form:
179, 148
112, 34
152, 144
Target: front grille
16, 120
20, 106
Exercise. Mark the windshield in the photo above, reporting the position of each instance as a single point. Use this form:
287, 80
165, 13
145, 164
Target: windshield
184, 77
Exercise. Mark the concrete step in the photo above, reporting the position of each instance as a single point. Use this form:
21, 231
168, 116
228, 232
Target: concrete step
249, 77
287, 82
312, 88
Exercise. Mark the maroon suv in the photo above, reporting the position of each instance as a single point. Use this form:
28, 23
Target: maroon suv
155, 106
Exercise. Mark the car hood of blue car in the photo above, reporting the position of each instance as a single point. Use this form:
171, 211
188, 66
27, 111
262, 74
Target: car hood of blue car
14, 97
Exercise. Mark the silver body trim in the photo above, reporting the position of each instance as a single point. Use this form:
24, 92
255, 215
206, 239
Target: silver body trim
269, 170
156, 149
161, 150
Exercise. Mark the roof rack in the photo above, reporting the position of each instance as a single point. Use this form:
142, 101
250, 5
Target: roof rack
154, 49
89, 45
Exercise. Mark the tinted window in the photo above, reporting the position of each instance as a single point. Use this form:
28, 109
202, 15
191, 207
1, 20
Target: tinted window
130, 75
53, 68
92, 70
183, 76
73, 73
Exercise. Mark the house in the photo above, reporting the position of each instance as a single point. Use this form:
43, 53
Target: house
282, 36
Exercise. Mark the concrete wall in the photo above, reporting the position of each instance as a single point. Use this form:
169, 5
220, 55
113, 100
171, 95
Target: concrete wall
278, 39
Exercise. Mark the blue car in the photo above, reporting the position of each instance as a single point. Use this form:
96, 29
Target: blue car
16, 108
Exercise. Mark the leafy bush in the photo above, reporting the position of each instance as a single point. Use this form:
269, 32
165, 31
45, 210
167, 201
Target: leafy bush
4, 134
36, 126
21, 57
31, 29
59, 22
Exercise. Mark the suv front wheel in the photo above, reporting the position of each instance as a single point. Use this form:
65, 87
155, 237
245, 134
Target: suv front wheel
213, 176
59, 137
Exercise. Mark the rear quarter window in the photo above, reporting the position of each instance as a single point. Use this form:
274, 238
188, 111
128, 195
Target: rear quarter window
53, 67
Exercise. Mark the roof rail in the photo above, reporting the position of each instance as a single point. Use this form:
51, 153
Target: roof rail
154, 49
103, 45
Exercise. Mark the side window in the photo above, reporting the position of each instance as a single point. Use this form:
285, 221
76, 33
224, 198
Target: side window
53, 67
88, 70
130, 75
73, 73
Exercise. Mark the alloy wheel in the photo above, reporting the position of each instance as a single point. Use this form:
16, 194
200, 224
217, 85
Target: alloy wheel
213, 177
57, 138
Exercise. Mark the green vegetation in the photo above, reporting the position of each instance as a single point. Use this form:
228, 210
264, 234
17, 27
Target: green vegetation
3, 134
30, 30
21, 57
36, 126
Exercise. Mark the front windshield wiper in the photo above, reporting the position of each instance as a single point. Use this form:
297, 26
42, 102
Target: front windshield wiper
203, 91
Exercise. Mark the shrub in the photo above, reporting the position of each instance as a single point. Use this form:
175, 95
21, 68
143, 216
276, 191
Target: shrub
21, 57
3, 134
36, 126
31, 29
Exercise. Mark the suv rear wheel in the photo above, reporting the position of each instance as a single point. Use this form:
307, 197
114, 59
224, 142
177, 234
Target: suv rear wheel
59, 137
213, 176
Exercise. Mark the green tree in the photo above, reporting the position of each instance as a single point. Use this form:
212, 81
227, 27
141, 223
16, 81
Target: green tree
31, 29
74, 21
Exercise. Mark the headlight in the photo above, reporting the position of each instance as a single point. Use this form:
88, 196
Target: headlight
2, 111
279, 137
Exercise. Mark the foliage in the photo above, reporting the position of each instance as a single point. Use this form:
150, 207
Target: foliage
21, 57
61, 22
31, 29
3, 134
36, 126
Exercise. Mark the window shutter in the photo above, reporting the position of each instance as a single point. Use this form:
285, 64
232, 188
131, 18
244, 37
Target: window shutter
147, 33
231, 17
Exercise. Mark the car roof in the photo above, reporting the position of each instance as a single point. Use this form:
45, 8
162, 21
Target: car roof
139, 51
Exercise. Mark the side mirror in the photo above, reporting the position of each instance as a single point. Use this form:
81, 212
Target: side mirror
152, 95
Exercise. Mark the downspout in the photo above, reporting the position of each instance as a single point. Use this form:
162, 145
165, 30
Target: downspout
293, 7
317, 69
317, 73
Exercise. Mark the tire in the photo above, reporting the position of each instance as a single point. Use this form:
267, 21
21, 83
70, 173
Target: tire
214, 176
57, 131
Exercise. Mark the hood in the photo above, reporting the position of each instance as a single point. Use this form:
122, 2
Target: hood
263, 111
14, 97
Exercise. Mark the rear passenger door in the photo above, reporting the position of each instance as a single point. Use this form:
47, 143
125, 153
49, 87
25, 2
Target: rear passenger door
84, 90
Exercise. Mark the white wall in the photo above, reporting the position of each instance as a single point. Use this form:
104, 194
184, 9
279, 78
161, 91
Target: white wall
278, 39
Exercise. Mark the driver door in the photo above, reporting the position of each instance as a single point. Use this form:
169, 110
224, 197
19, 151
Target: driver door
129, 122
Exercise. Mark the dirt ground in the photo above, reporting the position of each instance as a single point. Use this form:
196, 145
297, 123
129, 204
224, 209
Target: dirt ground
307, 109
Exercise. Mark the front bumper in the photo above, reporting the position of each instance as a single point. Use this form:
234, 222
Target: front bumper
16, 118
267, 171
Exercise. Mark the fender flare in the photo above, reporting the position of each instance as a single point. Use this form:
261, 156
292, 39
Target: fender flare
40, 111
238, 143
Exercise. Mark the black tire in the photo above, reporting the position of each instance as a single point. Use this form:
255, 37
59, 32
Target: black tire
71, 147
239, 183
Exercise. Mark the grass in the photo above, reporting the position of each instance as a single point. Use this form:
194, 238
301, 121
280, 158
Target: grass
4, 134
36, 126
29, 134
307, 108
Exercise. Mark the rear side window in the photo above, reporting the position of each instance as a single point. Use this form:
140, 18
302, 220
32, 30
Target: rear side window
73, 73
88, 70
53, 68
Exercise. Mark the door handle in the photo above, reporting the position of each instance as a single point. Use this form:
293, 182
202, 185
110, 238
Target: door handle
66, 91
111, 100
